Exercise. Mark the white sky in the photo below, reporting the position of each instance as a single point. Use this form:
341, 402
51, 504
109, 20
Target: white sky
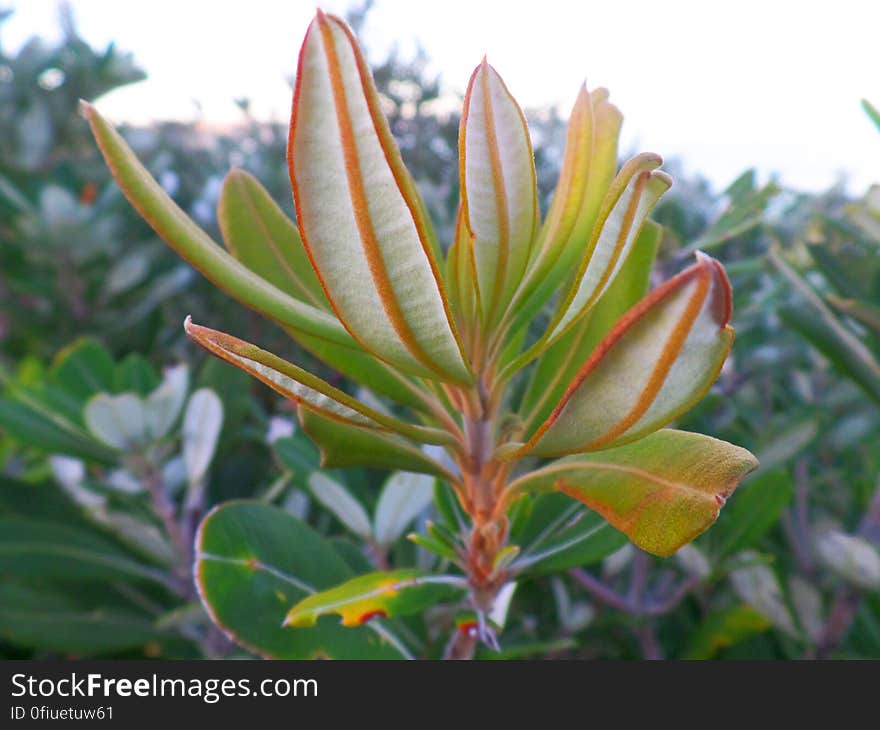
723, 85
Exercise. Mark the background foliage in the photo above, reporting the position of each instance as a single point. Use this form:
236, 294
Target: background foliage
96, 525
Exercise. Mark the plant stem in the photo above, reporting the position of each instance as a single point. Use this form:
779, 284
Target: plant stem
167, 513
843, 611
647, 638
655, 607
180, 529
462, 645
482, 479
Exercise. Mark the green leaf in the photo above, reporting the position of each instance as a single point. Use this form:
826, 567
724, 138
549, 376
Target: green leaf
848, 263
745, 211
661, 491
864, 312
134, 374
346, 444
302, 387
631, 198
15, 197
783, 447
298, 454
872, 112
196, 247
843, 350
359, 214
35, 548
404, 497
723, 628
526, 650
447, 505
254, 562
202, 423
364, 368
600, 128
53, 400
35, 428
383, 595
499, 199
119, 421
352, 551
341, 503
758, 506
84, 368
821, 327
560, 534
561, 361
52, 619
42, 501
434, 544
257, 233
660, 359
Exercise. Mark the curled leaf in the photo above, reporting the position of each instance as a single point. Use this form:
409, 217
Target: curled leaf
629, 200
659, 360
589, 166
562, 360
661, 491
301, 386
633, 194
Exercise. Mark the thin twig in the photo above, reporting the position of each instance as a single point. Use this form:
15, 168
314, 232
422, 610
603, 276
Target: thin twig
647, 638
802, 512
167, 513
607, 595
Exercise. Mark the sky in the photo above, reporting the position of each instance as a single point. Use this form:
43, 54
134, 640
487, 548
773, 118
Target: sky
722, 86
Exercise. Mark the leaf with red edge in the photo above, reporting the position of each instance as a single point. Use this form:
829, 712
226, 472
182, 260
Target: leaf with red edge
498, 187
359, 215
588, 168
629, 200
661, 491
659, 360
561, 361
198, 249
302, 387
